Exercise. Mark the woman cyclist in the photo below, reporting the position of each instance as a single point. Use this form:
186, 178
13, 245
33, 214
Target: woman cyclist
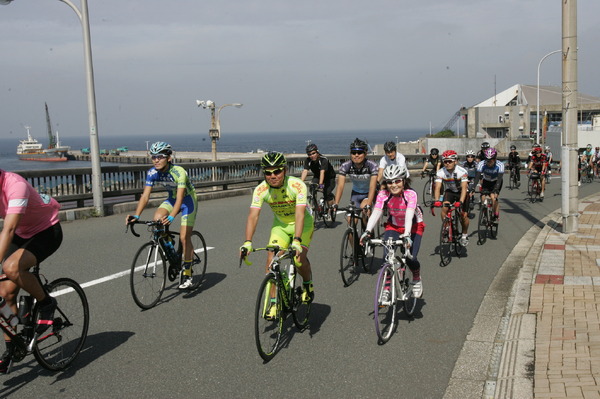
470, 165
404, 220
434, 160
491, 172
182, 198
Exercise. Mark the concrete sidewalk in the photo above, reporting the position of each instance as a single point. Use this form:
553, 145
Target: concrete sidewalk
540, 338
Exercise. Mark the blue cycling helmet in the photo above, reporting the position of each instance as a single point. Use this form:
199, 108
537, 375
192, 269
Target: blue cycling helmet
160, 147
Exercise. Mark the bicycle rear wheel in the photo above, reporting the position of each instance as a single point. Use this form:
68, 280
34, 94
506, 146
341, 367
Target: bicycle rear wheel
60, 344
324, 214
410, 302
268, 323
482, 225
148, 275
385, 304
348, 259
198, 262
445, 242
300, 310
458, 249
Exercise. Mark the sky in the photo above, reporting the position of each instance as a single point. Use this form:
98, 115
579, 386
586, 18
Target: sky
296, 66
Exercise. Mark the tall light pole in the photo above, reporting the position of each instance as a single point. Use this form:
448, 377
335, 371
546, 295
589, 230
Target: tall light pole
537, 136
91, 100
215, 121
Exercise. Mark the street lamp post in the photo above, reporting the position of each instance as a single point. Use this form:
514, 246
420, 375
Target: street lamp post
215, 122
537, 136
91, 100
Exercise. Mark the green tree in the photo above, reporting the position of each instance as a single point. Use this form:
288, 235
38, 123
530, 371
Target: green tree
445, 133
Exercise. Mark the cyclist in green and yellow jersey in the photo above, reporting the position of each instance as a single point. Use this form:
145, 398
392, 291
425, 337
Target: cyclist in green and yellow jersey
292, 225
182, 198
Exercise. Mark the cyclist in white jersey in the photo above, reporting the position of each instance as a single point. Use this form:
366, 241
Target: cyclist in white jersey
391, 157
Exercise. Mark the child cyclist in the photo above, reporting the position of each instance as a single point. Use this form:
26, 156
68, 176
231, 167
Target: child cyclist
182, 198
405, 218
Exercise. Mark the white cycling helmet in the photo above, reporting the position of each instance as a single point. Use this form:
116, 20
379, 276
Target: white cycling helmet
547, 148
470, 152
392, 172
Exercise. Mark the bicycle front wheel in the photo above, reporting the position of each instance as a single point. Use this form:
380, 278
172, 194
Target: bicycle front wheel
482, 225
385, 304
58, 346
348, 259
300, 310
428, 193
324, 214
200, 258
445, 242
268, 321
458, 249
148, 275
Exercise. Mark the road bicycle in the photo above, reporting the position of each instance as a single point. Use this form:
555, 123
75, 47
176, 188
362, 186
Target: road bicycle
354, 256
513, 181
534, 187
486, 223
149, 270
320, 207
279, 295
587, 175
449, 234
57, 347
393, 286
428, 190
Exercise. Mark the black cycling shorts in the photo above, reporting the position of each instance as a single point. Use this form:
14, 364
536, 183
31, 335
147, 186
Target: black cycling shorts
41, 245
487, 185
452, 197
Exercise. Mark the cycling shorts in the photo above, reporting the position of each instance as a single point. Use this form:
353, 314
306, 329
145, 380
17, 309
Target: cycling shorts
487, 185
41, 245
283, 233
357, 198
189, 209
452, 197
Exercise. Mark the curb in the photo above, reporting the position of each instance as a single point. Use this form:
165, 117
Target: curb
497, 358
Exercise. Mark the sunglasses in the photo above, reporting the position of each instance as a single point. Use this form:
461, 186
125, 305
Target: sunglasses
275, 172
448, 161
396, 181
357, 152
312, 153
470, 156
159, 157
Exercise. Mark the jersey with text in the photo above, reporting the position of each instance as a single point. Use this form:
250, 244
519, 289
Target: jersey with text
282, 200
452, 180
173, 179
491, 173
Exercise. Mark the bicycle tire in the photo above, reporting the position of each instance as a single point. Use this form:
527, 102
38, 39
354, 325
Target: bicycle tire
428, 192
267, 331
482, 225
410, 302
348, 260
494, 230
300, 310
58, 346
366, 253
458, 249
385, 312
324, 215
148, 275
198, 262
445, 243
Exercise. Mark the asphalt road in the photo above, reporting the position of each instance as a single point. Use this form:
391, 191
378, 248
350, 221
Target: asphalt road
202, 344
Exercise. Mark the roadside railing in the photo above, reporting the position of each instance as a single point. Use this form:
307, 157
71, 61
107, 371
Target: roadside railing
75, 185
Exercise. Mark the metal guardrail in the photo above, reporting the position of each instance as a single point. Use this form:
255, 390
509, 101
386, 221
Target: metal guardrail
75, 185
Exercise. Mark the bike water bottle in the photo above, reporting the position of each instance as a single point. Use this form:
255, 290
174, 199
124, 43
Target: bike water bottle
7, 313
321, 205
24, 312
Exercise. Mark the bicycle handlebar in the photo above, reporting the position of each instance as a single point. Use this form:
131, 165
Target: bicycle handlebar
391, 244
447, 205
149, 223
271, 248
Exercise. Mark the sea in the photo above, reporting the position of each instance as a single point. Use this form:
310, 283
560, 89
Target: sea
329, 142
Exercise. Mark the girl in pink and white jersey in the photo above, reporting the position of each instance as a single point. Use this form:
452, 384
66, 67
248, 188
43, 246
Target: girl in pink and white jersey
405, 218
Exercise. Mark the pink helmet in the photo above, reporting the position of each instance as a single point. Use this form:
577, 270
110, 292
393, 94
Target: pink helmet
490, 153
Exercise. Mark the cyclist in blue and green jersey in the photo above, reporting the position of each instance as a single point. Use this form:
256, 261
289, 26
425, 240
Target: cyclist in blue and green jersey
181, 198
293, 224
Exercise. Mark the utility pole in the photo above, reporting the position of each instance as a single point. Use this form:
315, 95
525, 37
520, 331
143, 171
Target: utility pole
569, 188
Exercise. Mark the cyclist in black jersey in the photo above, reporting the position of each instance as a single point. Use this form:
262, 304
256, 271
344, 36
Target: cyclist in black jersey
322, 170
480, 155
514, 161
434, 160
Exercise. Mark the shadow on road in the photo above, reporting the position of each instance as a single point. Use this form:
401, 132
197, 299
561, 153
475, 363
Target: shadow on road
96, 346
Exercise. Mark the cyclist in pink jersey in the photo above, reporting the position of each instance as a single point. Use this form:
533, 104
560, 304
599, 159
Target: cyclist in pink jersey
31, 233
405, 218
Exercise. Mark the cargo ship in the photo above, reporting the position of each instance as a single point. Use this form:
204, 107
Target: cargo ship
32, 150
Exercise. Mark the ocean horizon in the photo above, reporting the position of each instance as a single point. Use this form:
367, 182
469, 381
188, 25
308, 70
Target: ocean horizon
329, 142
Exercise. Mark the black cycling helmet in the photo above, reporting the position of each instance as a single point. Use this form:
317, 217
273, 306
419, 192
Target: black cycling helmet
358, 145
272, 159
434, 151
389, 146
311, 147
485, 145
513, 147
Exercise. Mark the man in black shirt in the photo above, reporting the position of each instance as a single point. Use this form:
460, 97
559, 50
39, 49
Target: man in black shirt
322, 170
